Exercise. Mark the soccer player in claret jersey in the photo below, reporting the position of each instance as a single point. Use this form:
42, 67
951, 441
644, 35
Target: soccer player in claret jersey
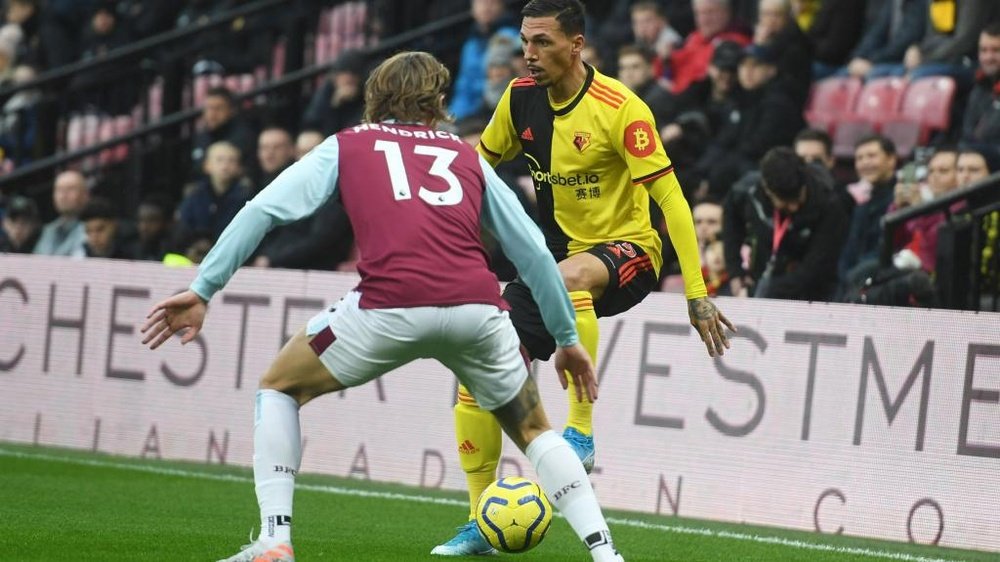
409, 191
595, 159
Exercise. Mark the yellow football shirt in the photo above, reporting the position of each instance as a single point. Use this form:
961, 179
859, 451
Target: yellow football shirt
588, 158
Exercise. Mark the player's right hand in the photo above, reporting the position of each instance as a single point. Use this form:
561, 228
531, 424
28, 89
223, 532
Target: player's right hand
183, 311
576, 361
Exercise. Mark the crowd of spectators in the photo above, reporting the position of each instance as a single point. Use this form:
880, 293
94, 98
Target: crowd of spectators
728, 82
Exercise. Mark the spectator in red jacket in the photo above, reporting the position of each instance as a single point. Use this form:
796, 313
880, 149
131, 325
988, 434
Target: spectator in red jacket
713, 24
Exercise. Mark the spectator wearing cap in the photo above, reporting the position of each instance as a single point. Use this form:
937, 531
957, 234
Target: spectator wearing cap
100, 222
489, 18
21, 227
778, 30
338, 103
765, 116
64, 236
699, 113
713, 24
981, 122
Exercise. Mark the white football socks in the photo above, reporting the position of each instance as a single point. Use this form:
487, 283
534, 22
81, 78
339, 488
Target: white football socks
566, 484
277, 453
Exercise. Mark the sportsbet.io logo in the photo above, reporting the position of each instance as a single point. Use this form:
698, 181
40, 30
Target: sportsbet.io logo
555, 178
639, 139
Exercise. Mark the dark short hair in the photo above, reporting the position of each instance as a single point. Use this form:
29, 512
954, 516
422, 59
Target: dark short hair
648, 6
992, 29
782, 174
98, 208
646, 54
161, 201
569, 13
885, 143
817, 136
989, 155
222, 92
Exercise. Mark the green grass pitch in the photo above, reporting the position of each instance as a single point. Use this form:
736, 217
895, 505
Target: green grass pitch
70, 505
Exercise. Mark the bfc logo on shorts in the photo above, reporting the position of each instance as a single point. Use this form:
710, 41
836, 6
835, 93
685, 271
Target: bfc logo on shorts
467, 448
640, 141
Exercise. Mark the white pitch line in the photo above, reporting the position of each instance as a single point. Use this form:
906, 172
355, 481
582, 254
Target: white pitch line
341, 491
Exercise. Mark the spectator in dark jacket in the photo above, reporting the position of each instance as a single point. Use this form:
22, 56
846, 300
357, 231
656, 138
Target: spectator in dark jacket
104, 238
217, 198
765, 117
949, 40
875, 162
981, 123
222, 123
338, 102
153, 221
778, 30
275, 153
899, 25
635, 70
111, 89
835, 31
21, 226
791, 219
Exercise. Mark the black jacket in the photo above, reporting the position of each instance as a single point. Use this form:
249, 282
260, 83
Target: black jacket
805, 266
981, 123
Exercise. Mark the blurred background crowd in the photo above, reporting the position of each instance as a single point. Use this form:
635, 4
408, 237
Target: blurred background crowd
136, 129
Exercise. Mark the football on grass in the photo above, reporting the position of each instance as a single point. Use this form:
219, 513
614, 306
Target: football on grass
513, 514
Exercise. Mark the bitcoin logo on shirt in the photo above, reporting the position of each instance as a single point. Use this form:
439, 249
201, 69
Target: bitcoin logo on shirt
639, 139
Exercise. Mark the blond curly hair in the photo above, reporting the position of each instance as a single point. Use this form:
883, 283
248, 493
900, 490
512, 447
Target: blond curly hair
408, 87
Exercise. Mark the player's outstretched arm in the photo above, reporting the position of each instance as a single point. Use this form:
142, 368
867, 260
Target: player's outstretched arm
183, 311
576, 361
711, 325
705, 316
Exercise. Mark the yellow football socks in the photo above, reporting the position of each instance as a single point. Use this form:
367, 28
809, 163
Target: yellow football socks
581, 412
479, 441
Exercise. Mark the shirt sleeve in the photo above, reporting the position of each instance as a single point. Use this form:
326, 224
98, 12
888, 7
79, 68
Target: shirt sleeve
638, 143
524, 244
293, 195
666, 191
499, 141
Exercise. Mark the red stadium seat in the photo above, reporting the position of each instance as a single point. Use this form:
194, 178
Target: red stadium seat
879, 100
847, 134
831, 99
926, 103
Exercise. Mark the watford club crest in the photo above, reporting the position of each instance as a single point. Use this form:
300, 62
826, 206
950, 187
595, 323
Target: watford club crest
581, 140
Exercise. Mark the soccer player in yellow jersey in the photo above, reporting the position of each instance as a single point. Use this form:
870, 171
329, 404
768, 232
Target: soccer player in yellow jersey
595, 158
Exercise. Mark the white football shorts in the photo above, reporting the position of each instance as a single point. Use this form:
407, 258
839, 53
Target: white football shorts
477, 342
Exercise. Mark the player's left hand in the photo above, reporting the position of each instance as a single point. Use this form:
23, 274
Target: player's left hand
711, 325
183, 311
